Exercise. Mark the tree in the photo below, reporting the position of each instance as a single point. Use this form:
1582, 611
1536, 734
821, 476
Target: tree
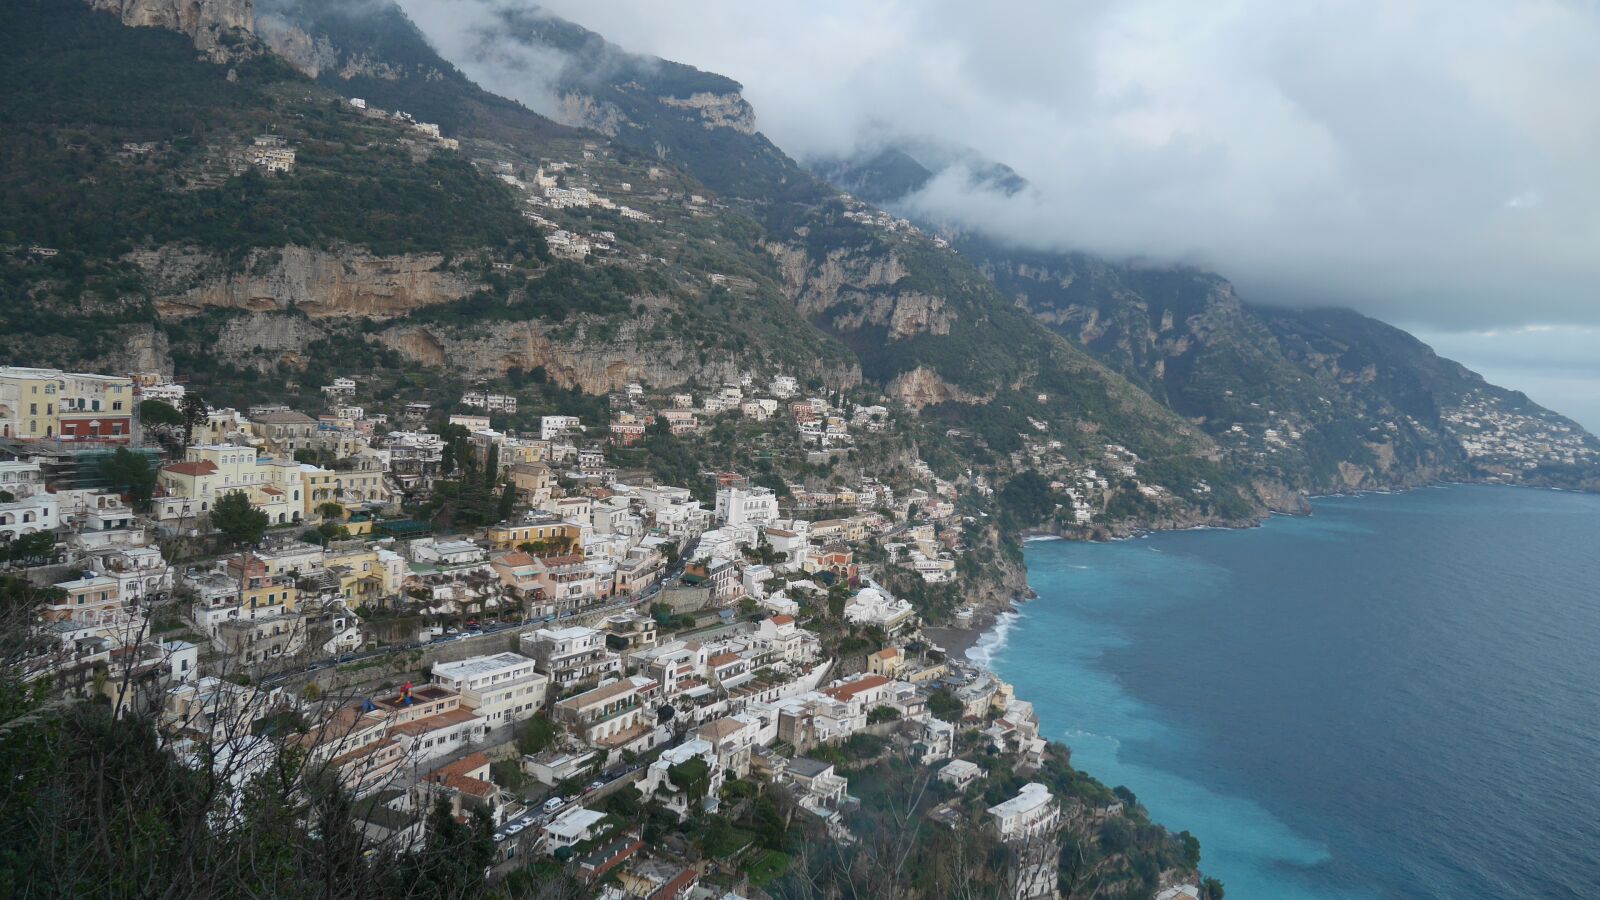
31, 547
194, 412
330, 510
692, 777
944, 705
160, 413
457, 451
130, 473
882, 714
507, 506
239, 522
537, 735
453, 857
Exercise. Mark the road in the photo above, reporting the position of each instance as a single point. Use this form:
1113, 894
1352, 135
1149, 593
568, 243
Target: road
529, 824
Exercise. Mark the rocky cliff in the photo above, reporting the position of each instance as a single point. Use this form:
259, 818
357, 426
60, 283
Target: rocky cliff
215, 26
344, 282
717, 110
590, 355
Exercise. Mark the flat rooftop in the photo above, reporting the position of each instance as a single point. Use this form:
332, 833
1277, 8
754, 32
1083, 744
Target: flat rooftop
478, 666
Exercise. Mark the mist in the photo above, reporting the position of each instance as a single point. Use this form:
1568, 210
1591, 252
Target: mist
1427, 162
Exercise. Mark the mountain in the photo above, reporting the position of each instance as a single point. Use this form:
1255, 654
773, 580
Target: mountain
1320, 400
391, 246
382, 246
261, 198
920, 311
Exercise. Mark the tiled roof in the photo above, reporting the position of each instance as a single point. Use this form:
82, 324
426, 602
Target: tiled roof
434, 723
849, 690
286, 417
464, 766
203, 467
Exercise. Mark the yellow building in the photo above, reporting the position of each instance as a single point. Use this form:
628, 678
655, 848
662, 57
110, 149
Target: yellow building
513, 452
208, 471
886, 662
360, 572
52, 404
305, 486
557, 534
532, 481
360, 480
261, 593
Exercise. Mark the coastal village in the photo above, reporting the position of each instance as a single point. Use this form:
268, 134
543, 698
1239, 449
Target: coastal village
603, 659
465, 605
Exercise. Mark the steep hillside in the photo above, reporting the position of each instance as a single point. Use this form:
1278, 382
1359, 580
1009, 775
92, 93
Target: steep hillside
372, 51
1315, 401
139, 162
926, 325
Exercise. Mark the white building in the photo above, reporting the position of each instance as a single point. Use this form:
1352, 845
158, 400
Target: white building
25, 506
959, 773
574, 826
552, 427
570, 655
1032, 812
492, 402
872, 606
501, 689
746, 506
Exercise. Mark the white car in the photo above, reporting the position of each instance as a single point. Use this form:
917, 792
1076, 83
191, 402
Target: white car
514, 828
553, 804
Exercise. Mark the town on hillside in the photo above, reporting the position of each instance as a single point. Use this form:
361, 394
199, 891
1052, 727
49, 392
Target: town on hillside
621, 679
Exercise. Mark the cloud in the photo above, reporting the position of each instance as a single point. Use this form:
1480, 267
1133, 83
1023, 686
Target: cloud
1426, 160
1432, 162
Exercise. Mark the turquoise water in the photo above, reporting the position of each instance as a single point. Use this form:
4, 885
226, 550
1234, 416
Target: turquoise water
1398, 696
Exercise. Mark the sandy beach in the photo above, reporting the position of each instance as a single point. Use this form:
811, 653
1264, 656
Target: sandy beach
956, 641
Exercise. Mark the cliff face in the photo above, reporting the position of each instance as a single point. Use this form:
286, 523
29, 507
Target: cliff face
213, 25
717, 110
922, 387
321, 283
588, 357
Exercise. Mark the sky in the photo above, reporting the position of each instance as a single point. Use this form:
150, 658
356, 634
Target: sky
1435, 163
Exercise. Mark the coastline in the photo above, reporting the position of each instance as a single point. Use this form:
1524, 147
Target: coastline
956, 641
1250, 842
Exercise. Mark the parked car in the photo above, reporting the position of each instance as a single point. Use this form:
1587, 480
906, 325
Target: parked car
514, 827
554, 803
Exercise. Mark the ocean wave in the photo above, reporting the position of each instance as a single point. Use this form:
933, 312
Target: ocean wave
993, 641
1072, 734
1041, 538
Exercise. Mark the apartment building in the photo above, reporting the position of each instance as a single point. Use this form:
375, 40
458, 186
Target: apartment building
501, 689
50, 404
571, 655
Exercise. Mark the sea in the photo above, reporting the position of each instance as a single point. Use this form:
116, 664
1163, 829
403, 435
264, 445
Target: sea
1396, 696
